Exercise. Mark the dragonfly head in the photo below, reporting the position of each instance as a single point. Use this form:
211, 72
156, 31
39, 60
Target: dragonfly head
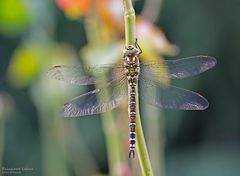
131, 51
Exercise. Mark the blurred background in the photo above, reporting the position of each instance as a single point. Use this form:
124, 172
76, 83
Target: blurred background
36, 35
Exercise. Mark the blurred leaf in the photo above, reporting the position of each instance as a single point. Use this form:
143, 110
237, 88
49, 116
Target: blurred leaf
24, 65
14, 17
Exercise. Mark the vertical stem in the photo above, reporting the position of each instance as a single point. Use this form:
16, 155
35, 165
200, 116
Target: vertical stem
129, 18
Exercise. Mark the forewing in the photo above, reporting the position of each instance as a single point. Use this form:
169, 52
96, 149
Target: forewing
179, 68
79, 75
170, 97
97, 101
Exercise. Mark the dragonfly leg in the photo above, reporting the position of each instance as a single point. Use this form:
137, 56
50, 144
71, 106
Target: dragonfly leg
138, 47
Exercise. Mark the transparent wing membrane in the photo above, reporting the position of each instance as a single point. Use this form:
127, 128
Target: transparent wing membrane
170, 97
79, 75
153, 85
97, 101
179, 68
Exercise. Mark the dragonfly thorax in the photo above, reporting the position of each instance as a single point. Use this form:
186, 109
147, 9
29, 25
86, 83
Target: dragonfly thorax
131, 63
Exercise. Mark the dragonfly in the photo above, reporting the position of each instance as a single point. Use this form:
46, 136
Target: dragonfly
122, 84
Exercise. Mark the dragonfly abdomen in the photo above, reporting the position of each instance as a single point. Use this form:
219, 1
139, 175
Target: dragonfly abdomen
132, 117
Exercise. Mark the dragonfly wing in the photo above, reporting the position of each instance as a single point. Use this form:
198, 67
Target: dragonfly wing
97, 101
179, 68
190, 66
78, 74
170, 97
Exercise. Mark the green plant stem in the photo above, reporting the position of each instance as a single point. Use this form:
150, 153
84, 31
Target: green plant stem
129, 17
129, 20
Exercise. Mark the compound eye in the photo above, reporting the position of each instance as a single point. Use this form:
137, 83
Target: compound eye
130, 47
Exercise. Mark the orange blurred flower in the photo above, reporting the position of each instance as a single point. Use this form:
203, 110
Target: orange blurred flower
74, 8
111, 14
108, 12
